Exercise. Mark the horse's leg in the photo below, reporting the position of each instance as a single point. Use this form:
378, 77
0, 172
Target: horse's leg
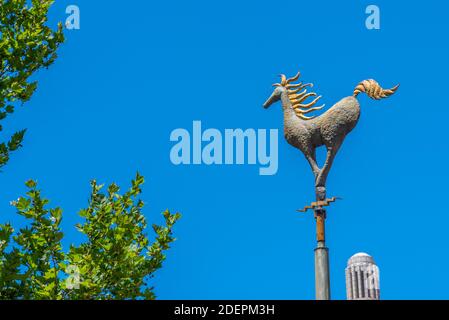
311, 158
331, 153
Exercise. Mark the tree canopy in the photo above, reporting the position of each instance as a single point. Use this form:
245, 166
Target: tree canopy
116, 261
27, 44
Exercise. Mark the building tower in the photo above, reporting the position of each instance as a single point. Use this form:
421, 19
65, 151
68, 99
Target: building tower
362, 278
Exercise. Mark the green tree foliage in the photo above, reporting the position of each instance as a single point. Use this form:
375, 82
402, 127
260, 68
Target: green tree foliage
116, 261
26, 45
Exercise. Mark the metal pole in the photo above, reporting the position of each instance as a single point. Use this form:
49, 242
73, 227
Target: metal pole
322, 277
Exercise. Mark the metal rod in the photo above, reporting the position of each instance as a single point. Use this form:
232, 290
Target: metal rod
322, 276
320, 228
322, 287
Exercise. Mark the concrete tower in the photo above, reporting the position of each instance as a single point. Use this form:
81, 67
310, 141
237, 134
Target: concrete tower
362, 278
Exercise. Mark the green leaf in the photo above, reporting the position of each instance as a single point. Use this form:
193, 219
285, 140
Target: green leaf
31, 184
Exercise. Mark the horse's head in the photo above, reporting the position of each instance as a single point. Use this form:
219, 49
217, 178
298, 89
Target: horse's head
279, 89
294, 96
275, 97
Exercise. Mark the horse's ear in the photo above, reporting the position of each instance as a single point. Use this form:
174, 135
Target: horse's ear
283, 79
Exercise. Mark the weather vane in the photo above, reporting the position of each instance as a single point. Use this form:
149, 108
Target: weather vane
308, 133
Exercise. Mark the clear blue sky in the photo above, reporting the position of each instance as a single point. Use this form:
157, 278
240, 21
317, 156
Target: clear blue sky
136, 71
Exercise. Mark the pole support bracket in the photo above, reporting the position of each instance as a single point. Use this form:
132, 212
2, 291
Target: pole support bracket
318, 205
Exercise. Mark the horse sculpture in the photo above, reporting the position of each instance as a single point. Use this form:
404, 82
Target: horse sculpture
329, 129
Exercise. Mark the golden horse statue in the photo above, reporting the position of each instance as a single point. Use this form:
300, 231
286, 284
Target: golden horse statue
328, 129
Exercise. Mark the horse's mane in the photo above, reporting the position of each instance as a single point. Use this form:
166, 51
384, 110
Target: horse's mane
298, 97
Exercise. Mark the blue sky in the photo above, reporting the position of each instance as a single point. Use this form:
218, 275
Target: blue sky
136, 71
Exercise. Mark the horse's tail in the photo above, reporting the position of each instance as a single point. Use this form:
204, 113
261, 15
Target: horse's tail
374, 90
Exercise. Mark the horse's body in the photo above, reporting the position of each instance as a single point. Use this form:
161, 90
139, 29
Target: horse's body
328, 129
